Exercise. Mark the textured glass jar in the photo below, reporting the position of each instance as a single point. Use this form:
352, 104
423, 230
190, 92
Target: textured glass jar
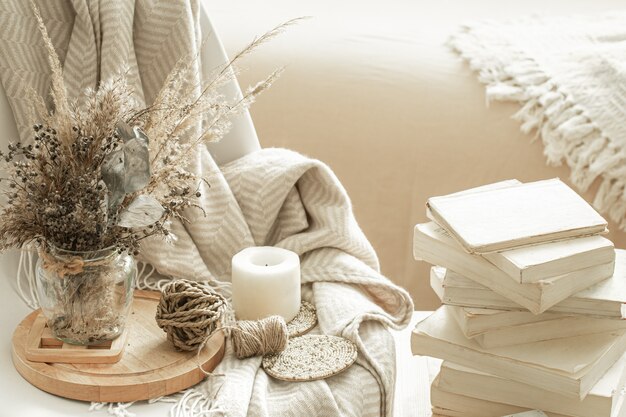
85, 296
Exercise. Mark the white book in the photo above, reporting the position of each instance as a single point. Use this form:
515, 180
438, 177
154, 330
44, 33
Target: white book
548, 330
570, 367
606, 299
454, 405
535, 331
537, 262
432, 244
514, 216
487, 187
604, 399
476, 321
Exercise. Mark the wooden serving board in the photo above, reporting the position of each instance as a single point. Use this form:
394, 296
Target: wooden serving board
150, 366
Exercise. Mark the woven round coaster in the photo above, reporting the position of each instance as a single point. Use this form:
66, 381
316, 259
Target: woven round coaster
311, 357
304, 321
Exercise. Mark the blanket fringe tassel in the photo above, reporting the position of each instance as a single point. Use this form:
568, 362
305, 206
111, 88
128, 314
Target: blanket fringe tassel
188, 403
114, 409
567, 132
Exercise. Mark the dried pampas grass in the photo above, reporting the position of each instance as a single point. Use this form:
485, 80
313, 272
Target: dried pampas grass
103, 172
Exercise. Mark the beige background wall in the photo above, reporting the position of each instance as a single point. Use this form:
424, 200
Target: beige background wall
373, 91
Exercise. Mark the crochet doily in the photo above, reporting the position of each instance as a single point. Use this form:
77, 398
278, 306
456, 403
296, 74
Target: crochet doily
304, 321
311, 357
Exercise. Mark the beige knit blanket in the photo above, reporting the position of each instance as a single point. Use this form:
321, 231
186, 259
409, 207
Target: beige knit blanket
569, 76
271, 197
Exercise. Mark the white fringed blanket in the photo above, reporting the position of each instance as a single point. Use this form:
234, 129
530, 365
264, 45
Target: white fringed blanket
278, 197
569, 75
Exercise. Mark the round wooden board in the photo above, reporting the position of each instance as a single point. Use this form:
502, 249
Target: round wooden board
150, 367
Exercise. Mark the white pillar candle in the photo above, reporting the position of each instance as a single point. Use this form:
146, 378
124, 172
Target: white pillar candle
266, 282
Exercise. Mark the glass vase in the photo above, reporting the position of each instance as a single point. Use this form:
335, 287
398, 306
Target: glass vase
85, 296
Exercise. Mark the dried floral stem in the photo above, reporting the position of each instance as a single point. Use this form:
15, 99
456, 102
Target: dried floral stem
59, 93
104, 171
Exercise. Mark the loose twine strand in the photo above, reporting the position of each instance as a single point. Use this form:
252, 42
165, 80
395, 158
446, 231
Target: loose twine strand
191, 312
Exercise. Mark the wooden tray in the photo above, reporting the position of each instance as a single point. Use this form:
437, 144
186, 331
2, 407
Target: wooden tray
150, 366
42, 346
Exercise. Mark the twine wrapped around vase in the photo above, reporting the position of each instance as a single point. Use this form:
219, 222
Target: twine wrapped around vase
62, 262
73, 265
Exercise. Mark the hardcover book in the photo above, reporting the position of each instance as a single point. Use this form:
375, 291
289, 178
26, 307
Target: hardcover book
454, 405
432, 244
509, 217
538, 262
604, 398
606, 299
475, 321
534, 331
570, 367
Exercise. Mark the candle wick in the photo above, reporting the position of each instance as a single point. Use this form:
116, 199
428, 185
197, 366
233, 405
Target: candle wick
265, 264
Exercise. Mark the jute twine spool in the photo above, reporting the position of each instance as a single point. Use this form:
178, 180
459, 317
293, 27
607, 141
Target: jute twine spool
260, 337
190, 312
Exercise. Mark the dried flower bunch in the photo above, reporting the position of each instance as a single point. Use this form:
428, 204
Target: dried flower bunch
101, 171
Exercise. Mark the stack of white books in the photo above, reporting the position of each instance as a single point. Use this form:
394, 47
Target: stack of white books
534, 303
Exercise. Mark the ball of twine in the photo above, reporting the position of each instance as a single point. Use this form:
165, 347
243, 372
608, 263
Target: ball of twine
189, 312
260, 337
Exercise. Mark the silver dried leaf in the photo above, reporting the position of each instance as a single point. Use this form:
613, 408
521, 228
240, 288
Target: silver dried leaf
143, 211
127, 170
113, 173
124, 131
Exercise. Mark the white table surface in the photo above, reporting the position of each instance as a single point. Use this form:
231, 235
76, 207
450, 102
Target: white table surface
19, 398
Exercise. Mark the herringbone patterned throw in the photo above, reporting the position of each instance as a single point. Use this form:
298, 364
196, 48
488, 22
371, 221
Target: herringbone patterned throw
271, 197
95, 39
